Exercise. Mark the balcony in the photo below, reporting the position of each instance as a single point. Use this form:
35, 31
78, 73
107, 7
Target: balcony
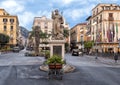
110, 18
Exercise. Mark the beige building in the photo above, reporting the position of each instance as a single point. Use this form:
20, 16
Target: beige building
46, 26
78, 35
44, 23
67, 27
104, 26
9, 25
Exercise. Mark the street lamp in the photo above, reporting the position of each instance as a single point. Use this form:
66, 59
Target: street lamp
82, 45
96, 51
119, 44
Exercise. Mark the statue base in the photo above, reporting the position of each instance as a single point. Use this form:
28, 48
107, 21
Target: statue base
57, 47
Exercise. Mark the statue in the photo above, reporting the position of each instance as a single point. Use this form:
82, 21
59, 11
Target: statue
57, 25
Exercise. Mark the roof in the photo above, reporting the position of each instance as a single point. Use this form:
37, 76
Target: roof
88, 18
79, 24
103, 4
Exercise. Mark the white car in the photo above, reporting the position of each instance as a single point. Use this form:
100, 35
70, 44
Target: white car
16, 49
75, 52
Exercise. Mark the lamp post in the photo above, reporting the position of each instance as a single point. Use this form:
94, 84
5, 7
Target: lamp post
82, 45
96, 52
96, 43
119, 45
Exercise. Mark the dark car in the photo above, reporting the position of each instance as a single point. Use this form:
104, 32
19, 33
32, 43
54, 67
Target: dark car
75, 52
29, 48
16, 49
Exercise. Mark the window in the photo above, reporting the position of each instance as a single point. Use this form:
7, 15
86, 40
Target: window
97, 10
94, 20
97, 20
3, 13
110, 14
5, 28
107, 8
103, 8
11, 21
4, 20
110, 18
93, 13
11, 28
100, 18
46, 31
46, 25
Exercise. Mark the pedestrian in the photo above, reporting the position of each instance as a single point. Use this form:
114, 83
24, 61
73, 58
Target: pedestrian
115, 58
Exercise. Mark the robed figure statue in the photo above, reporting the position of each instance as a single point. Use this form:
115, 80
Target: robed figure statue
57, 25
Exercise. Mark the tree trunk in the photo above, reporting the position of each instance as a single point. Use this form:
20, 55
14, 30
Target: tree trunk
37, 41
37, 46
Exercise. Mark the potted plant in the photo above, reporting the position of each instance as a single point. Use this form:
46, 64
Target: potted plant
55, 62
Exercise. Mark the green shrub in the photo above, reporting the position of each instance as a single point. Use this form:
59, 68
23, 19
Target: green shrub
47, 54
55, 59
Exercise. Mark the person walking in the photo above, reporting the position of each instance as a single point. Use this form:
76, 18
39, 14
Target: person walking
115, 57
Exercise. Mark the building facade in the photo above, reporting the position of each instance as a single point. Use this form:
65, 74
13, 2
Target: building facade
78, 35
104, 25
44, 23
23, 36
46, 26
9, 25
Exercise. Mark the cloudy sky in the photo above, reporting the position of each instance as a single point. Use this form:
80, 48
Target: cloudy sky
74, 11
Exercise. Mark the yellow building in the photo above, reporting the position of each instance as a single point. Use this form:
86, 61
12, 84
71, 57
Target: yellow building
78, 35
104, 25
9, 26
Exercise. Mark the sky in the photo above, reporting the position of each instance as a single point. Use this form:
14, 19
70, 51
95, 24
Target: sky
74, 11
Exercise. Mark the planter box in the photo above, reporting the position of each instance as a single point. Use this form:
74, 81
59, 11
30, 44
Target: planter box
55, 66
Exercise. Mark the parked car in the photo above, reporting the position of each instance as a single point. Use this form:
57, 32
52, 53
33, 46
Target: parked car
75, 52
29, 48
16, 49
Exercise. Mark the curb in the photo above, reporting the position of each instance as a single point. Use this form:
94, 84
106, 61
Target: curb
66, 68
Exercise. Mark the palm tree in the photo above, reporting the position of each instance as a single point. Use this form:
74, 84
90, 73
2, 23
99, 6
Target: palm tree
66, 33
38, 35
37, 32
44, 37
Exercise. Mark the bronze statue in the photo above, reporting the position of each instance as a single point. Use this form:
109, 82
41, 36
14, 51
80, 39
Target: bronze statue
57, 24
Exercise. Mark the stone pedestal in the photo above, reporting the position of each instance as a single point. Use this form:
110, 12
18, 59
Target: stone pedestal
57, 47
